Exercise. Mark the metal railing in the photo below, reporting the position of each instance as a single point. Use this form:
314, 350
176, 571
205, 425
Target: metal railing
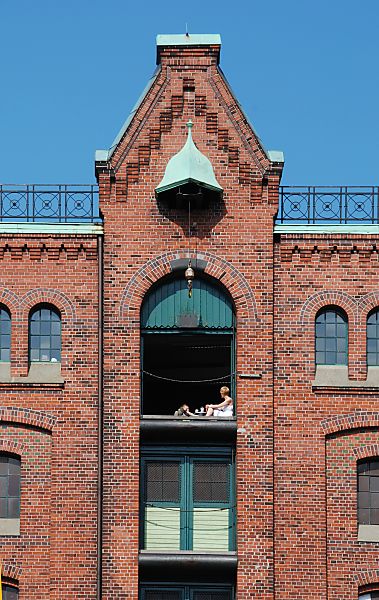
334, 205
34, 203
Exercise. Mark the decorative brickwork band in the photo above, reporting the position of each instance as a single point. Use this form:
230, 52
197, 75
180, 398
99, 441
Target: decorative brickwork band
216, 267
356, 420
327, 298
368, 302
11, 414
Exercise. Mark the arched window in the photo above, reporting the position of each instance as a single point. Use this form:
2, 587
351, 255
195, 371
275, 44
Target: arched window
368, 491
373, 338
331, 337
10, 486
369, 596
5, 335
187, 345
10, 592
44, 334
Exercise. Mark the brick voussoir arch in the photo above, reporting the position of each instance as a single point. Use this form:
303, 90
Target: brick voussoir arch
11, 570
26, 416
368, 302
356, 420
10, 300
49, 296
367, 577
327, 298
12, 446
366, 451
156, 268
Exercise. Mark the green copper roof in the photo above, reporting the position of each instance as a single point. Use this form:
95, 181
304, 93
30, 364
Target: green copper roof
189, 165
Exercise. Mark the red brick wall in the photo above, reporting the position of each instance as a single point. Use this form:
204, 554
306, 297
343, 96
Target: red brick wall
237, 242
320, 433
53, 428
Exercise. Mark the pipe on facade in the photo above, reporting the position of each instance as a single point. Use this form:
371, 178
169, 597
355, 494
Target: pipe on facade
100, 421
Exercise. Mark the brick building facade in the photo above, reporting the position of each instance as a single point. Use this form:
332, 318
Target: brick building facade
102, 338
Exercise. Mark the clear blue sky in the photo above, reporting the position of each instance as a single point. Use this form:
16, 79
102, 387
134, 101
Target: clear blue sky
305, 71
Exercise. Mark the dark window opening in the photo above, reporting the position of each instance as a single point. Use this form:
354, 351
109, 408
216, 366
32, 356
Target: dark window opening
368, 492
185, 368
10, 486
369, 596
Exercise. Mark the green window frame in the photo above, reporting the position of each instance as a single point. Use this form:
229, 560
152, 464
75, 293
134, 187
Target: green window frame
188, 500
186, 592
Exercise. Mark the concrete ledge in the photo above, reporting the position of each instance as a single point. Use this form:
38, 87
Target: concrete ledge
188, 429
9, 526
368, 533
191, 566
338, 376
40, 373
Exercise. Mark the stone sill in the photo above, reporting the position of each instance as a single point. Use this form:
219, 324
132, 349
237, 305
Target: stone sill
10, 527
337, 376
40, 373
368, 533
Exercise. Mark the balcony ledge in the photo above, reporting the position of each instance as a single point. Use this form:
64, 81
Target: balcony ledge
186, 564
154, 428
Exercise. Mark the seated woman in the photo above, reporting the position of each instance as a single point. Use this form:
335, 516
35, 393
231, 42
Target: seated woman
224, 409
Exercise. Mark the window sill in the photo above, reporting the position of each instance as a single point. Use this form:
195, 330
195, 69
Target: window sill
368, 533
40, 373
10, 527
337, 376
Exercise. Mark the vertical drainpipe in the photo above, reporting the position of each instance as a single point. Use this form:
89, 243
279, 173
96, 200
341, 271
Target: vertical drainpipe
100, 421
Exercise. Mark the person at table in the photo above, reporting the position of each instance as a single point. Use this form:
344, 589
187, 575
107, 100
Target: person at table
224, 408
183, 411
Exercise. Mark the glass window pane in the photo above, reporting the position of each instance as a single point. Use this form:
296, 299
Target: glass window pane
34, 355
55, 328
14, 485
3, 486
34, 341
45, 328
5, 327
331, 344
374, 484
45, 314
44, 341
331, 330
55, 341
364, 516
5, 355
374, 516
34, 327
375, 500
374, 468
363, 483
364, 499
55, 354
13, 508
3, 508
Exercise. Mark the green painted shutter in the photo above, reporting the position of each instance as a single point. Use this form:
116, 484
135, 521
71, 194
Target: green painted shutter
168, 307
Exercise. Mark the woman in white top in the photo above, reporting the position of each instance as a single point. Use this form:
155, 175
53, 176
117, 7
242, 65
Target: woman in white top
224, 409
